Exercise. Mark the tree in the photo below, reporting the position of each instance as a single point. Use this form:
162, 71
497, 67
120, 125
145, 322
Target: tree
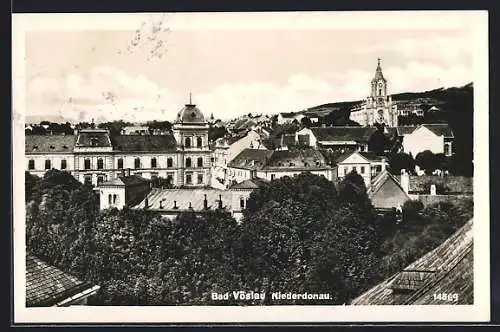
399, 161
30, 185
427, 161
306, 122
379, 142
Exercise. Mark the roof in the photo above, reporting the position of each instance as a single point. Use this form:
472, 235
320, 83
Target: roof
49, 144
93, 138
190, 114
440, 129
446, 269
386, 191
135, 128
453, 184
46, 285
130, 180
342, 134
144, 143
370, 156
254, 183
251, 159
184, 197
307, 158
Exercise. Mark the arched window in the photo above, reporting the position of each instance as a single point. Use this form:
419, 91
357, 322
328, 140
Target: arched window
47, 164
153, 162
199, 142
170, 162
187, 142
188, 162
200, 162
110, 199
86, 163
100, 163
120, 163
114, 198
31, 164
137, 163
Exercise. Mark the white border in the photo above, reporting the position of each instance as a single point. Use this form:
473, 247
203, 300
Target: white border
476, 21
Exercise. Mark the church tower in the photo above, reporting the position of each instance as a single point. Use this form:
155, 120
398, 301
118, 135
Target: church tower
379, 108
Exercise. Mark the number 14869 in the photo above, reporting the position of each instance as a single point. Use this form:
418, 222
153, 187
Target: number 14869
451, 297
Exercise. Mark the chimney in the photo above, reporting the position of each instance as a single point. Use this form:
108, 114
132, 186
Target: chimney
405, 181
384, 164
433, 190
190, 207
161, 204
128, 171
146, 203
205, 203
220, 201
175, 205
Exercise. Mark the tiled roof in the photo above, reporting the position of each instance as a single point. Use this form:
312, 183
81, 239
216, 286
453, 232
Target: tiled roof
49, 144
130, 180
251, 159
183, 197
93, 138
446, 269
307, 158
368, 155
440, 129
144, 143
47, 285
254, 183
336, 134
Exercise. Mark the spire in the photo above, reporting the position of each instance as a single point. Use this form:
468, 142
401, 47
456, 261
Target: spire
190, 99
378, 72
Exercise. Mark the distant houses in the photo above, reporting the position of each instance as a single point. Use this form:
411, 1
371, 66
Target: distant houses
437, 138
336, 138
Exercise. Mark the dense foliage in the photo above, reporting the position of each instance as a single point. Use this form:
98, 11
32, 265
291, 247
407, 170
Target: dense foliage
299, 234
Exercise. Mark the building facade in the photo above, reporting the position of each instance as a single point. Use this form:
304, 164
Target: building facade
378, 108
94, 156
366, 164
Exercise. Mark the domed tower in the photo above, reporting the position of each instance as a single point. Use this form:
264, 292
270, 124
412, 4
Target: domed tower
191, 134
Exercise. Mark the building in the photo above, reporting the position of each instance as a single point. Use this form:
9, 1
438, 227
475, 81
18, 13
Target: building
47, 286
378, 108
95, 156
448, 269
125, 190
289, 117
340, 139
135, 130
226, 148
366, 164
437, 138
270, 165
386, 192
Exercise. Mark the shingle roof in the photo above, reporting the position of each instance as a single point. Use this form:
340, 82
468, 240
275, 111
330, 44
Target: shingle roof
144, 143
440, 129
339, 134
130, 180
251, 159
49, 144
47, 285
307, 158
446, 269
93, 137
368, 155
254, 183
183, 197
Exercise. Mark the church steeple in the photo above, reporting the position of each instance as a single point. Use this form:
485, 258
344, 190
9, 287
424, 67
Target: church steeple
378, 73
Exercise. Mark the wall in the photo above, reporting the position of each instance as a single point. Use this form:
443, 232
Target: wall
104, 197
433, 199
422, 139
55, 160
268, 174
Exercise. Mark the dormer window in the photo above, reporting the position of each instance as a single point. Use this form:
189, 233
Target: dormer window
35, 147
65, 147
52, 147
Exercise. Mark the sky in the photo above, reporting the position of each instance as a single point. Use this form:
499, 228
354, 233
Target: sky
144, 69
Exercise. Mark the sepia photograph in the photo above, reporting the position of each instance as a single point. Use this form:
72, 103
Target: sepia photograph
251, 167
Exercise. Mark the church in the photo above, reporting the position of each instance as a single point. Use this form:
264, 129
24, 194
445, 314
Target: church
378, 108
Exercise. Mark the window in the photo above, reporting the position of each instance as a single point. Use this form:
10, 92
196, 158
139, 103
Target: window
345, 171
154, 175
88, 179
47, 164
137, 163
64, 165
199, 142
447, 149
200, 162
189, 178
379, 92
242, 202
170, 178
170, 162
110, 199
120, 163
354, 169
187, 142
100, 179
273, 176
362, 170
31, 164
100, 163
188, 162
200, 178
86, 164
153, 162
115, 198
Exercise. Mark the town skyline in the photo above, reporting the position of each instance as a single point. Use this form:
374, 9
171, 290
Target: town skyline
113, 74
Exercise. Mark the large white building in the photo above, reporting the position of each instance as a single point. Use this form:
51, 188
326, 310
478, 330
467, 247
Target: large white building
378, 107
94, 156
437, 138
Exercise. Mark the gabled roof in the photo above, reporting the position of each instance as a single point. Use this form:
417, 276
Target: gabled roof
144, 143
369, 156
342, 134
439, 129
46, 285
254, 183
446, 269
125, 181
49, 144
303, 158
251, 159
381, 179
